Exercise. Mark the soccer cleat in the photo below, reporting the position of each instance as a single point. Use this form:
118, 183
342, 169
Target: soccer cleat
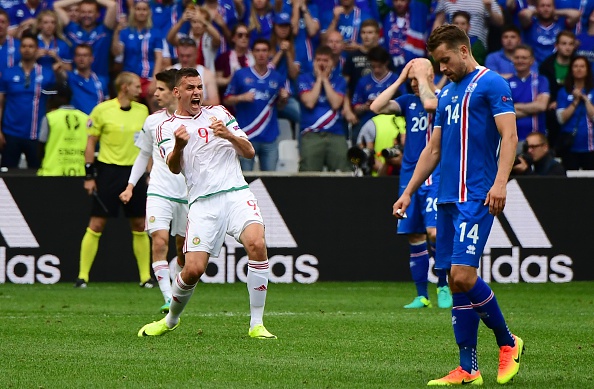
444, 297
509, 361
156, 328
165, 307
80, 283
260, 332
419, 302
148, 284
458, 377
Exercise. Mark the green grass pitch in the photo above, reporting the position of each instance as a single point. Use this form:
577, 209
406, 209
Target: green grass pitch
331, 335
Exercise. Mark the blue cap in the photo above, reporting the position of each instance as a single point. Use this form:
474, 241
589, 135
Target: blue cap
282, 18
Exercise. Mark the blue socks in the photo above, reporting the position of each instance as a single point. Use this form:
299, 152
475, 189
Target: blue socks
465, 322
485, 304
419, 266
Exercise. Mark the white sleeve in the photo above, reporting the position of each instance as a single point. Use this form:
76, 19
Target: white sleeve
367, 132
165, 140
43, 130
139, 167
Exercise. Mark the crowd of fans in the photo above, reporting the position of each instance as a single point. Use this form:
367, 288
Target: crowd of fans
317, 63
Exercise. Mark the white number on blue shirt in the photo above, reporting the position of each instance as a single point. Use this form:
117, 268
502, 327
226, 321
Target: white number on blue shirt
431, 204
472, 234
453, 116
419, 124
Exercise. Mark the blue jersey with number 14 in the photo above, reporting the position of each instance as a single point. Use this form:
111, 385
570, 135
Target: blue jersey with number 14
469, 137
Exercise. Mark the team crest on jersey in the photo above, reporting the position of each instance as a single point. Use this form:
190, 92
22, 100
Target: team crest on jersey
470, 88
412, 106
212, 119
249, 80
273, 84
454, 99
151, 219
196, 241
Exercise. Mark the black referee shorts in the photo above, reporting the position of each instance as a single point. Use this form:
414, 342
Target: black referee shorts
111, 181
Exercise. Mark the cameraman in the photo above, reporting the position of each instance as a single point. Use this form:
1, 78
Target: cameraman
538, 159
382, 135
420, 224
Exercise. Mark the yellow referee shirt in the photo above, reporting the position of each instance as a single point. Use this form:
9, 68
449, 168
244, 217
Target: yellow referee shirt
117, 130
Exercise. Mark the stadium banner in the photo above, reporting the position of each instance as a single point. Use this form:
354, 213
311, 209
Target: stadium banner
317, 229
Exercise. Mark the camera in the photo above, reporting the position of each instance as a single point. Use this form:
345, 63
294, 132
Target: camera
392, 152
526, 157
362, 159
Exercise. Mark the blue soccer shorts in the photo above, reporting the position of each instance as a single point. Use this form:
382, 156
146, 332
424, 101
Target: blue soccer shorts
462, 232
422, 211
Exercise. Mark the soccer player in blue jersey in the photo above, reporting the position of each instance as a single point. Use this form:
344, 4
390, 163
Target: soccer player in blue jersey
474, 140
420, 224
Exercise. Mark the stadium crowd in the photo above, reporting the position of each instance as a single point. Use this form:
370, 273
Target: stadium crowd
319, 64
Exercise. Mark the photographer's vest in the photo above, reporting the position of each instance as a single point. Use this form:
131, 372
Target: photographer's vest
387, 128
66, 143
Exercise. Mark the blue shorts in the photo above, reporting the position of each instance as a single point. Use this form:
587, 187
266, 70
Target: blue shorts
422, 211
462, 232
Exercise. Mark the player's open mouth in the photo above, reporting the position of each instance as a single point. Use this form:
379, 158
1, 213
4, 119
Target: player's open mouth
195, 101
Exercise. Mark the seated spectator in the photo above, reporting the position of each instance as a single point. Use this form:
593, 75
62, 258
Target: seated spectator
9, 46
239, 56
261, 20
23, 16
87, 88
255, 92
186, 52
53, 46
555, 69
478, 48
323, 141
88, 30
23, 105
195, 23
530, 93
501, 61
538, 159
371, 85
139, 47
542, 25
575, 111
62, 137
347, 19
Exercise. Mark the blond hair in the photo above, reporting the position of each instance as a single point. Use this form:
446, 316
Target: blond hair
124, 78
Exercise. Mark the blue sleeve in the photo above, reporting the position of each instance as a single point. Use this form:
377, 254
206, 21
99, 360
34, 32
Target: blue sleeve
562, 101
340, 86
3, 86
303, 83
403, 103
158, 39
359, 96
498, 94
233, 87
543, 85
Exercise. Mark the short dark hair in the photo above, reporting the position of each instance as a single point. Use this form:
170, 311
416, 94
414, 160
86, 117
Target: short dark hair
167, 77
378, 54
323, 50
451, 35
525, 47
261, 41
84, 46
185, 72
29, 35
3, 12
92, 2
464, 14
566, 33
511, 28
370, 23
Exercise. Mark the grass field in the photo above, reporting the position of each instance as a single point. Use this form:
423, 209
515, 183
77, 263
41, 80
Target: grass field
331, 335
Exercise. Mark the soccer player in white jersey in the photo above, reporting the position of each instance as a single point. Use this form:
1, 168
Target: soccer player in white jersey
167, 199
204, 143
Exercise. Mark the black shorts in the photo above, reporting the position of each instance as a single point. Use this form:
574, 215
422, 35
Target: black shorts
111, 181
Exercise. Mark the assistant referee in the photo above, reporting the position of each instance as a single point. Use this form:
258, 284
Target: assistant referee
115, 124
